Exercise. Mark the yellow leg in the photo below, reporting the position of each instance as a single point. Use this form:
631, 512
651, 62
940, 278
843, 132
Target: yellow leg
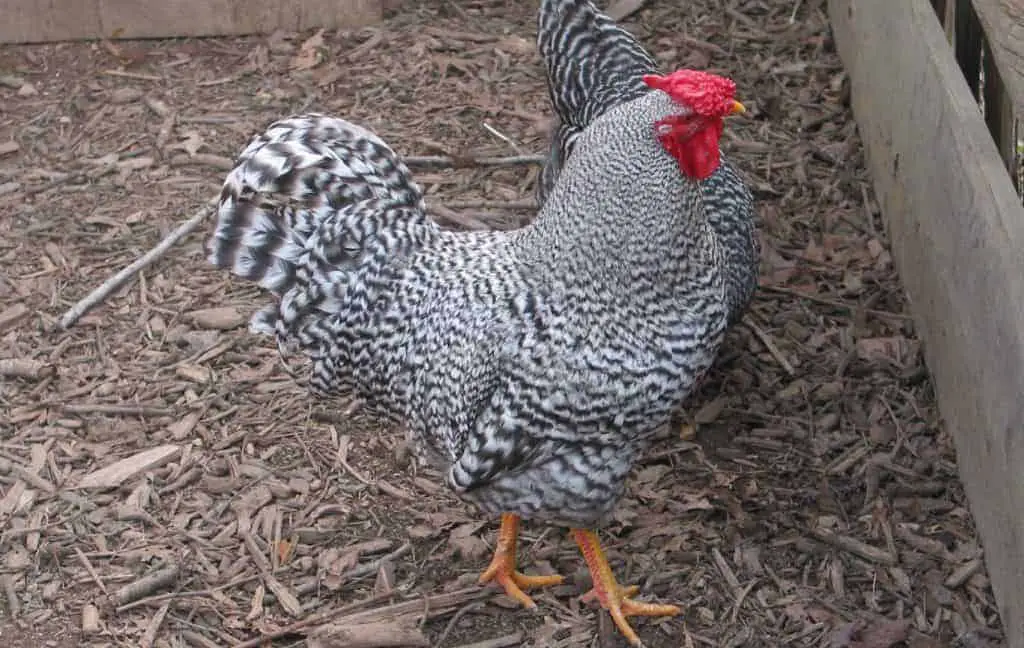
502, 569
612, 596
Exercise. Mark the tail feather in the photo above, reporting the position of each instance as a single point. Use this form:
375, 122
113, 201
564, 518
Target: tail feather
288, 182
592, 65
321, 213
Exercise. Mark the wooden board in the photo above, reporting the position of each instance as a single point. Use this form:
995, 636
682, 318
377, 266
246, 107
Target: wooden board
957, 231
32, 21
1003, 22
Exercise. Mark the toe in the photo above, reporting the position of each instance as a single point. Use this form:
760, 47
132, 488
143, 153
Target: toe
639, 608
529, 581
624, 592
514, 592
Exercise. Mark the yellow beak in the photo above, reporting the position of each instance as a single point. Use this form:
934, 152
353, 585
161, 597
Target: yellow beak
737, 108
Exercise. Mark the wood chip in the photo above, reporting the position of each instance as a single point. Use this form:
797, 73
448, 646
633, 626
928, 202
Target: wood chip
145, 586
220, 319
285, 597
26, 368
368, 635
90, 620
854, 546
12, 315
130, 467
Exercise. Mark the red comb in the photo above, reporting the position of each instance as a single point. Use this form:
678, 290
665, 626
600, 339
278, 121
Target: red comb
707, 94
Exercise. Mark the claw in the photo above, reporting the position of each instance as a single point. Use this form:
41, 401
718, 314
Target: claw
502, 569
615, 598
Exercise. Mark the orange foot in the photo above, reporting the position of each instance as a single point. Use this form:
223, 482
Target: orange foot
502, 569
614, 597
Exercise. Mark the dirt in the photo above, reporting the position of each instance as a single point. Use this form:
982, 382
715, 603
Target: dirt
818, 505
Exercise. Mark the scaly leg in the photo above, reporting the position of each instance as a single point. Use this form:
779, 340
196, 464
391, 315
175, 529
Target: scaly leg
502, 569
612, 596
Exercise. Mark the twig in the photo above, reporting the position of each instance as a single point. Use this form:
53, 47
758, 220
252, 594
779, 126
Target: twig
348, 611
159, 598
146, 585
459, 162
13, 604
854, 546
149, 636
196, 639
371, 567
7, 467
133, 75
124, 410
503, 137
463, 611
82, 558
850, 308
26, 368
428, 606
506, 641
367, 635
105, 289
770, 345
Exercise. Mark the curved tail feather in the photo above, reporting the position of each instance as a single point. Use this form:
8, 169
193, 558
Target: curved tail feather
592, 65
290, 179
319, 212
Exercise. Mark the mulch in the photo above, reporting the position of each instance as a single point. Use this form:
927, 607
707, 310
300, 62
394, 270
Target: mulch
165, 482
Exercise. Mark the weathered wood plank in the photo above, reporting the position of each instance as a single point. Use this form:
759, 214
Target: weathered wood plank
31, 21
1003, 22
957, 231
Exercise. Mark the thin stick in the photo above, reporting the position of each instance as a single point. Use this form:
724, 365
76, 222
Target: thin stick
503, 137
849, 308
13, 604
107, 408
26, 368
161, 598
109, 286
347, 610
82, 558
149, 636
459, 162
369, 568
146, 585
770, 345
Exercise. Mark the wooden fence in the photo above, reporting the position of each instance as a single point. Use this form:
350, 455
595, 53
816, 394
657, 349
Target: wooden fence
34, 21
956, 224
988, 41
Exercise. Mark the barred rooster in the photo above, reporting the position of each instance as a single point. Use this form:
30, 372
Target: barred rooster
532, 366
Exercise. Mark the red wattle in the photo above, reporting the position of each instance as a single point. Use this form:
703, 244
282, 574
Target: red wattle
693, 142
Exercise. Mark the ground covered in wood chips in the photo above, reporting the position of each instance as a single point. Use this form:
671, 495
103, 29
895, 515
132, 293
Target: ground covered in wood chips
819, 504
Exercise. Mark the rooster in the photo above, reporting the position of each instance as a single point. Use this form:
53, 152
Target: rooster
533, 366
